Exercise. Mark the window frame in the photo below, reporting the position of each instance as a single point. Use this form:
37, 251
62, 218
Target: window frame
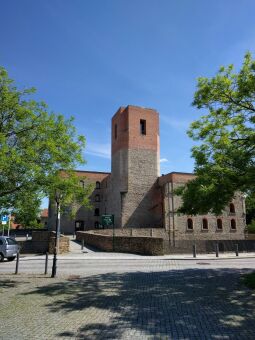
221, 224
143, 131
232, 209
190, 220
231, 226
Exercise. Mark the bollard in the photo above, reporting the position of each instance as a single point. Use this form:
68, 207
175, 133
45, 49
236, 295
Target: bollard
217, 249
237, 251
14, 236
46, 263
82, 244
26, 237
194, 250
17, 264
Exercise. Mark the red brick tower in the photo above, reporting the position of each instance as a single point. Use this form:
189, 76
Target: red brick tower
135, 166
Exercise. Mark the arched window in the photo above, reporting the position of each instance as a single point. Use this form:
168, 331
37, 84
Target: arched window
233, 224
189, 224
97, 198
97, 185
96, 212
219, 223
205, 224
232, 208
96, 224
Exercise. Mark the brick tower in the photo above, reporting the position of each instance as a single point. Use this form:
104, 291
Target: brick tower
135, 167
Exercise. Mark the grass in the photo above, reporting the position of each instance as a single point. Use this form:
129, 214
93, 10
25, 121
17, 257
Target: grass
249, 280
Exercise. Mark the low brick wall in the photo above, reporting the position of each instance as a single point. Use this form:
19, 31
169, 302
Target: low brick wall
208, 246
250, 236
63, 244
44, 241
149, 232
124, 244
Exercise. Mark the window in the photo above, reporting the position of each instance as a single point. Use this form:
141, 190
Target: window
115, 131
205, 224
189, 224
232, 208
219, 223
82, 184
143, 127
96, 212
97, 185
97, 198
233, 224
96, 224
10, 241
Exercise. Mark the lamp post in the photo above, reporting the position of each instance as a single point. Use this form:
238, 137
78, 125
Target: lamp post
56, 248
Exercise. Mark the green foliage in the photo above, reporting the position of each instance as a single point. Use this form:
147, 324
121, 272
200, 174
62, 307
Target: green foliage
74, 191
224, 157
27, 210
35, 145
250, 207
251, 227
249, 280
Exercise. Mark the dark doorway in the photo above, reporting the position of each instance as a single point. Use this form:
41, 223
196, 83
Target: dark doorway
79, 225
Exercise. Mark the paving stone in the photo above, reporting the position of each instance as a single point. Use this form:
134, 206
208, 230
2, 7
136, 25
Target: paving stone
143, 304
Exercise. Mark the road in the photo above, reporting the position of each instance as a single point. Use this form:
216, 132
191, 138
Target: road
79, 265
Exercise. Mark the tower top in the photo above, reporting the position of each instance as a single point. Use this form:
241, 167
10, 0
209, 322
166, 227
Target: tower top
135, 127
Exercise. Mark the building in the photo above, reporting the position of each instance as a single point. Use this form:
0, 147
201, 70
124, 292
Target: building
136, 194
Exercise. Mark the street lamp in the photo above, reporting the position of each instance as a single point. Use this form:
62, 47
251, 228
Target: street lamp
58, 197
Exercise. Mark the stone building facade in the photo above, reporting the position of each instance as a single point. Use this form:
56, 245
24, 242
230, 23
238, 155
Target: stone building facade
138, 196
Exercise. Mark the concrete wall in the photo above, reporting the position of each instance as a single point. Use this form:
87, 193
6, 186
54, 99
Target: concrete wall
126, 244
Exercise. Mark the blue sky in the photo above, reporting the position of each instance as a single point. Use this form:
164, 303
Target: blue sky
88, 57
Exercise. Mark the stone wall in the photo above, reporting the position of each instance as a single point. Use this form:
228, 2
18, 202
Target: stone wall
63, 244
176, 224
148, 232
135, 168
98, 199
42, 242
208, 246
124, 244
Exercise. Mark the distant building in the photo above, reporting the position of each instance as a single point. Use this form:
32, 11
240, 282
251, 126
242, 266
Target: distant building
43, 218
136, 194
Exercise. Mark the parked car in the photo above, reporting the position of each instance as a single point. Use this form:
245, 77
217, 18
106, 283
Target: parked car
9, 248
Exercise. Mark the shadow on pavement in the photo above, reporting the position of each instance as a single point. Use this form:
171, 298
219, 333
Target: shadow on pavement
177, 304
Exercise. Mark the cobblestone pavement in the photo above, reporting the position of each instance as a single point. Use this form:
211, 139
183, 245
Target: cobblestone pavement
147, 302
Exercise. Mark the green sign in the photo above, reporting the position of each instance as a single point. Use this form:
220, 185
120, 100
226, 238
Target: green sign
107, 220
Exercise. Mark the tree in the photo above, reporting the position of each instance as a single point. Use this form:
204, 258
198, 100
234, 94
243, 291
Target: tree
27, 210
225, 155
35, 145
